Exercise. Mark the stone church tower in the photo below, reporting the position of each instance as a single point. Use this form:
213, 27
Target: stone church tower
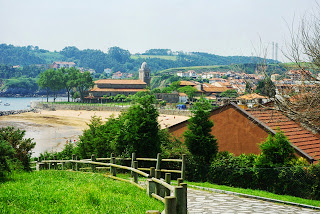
144, 74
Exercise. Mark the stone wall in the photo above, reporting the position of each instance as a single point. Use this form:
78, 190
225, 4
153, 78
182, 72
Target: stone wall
5, 113
95, 107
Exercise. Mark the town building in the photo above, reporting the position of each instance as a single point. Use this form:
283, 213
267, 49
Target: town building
113, 87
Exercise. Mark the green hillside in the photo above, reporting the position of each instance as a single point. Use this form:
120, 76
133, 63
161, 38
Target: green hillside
173, 58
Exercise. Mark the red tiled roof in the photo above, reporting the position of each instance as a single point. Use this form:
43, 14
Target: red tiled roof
120, 82
184, 83
118, 89
214, 89
298, 136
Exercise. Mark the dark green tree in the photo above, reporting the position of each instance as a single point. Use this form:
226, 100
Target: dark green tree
69, 79
201, 143
22, 146
83, 83
189, 91
6, 153
140, 128
276, 151
229, 93
44, 81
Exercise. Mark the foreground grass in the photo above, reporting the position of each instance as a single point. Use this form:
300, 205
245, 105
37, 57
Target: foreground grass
72, 192
259, 193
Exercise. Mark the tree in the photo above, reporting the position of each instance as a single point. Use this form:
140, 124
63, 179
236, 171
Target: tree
22, 146
266, 87
140, 128
189, 91
229, 93
44, 81
69, 79
6, 153
119, 54
198, 138
276, 151
304, 51
83, 83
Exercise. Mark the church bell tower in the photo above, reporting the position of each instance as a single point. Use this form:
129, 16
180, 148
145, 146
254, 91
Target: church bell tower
144, 74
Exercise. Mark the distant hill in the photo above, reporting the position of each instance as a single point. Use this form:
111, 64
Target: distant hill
117, 59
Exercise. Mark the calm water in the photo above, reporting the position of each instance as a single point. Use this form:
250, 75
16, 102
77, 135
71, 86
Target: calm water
23, 102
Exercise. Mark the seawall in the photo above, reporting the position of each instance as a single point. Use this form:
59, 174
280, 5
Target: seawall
5, 113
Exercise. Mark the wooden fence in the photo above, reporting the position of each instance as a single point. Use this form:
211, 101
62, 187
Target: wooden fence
173, 197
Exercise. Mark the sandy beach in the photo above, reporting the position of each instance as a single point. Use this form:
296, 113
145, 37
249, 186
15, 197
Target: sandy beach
51, 129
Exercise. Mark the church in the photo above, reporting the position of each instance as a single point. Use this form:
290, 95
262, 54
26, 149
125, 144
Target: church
113, 87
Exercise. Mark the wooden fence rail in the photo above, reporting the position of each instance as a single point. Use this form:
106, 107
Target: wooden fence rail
173, 197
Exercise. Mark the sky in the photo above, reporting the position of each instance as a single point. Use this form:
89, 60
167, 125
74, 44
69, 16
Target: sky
222, 27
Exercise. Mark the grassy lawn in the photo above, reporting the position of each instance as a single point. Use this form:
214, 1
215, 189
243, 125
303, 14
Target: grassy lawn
72, 192
173, 58
259, 193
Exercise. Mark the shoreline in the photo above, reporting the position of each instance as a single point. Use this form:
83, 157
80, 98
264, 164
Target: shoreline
51, 129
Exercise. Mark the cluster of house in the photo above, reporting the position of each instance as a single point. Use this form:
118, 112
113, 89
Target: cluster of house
297, 81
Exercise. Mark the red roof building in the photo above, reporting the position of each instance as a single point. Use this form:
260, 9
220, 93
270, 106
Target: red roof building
240, 132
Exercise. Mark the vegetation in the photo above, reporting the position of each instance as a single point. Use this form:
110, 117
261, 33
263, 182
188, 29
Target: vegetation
230, 93
198, 138
72, 192
136, 130
68, 79
15, 151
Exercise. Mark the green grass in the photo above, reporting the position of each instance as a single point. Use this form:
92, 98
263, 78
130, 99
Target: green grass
72, 192
173, 58
259, 193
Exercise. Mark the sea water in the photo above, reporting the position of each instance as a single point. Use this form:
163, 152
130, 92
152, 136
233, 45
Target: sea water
21, 103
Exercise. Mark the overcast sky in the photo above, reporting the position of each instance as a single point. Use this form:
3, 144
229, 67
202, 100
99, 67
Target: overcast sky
222, 27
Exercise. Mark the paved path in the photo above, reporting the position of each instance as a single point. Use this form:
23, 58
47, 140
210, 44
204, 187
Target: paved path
204, 202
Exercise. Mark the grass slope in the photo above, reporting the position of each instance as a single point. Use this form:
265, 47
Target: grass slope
72, 192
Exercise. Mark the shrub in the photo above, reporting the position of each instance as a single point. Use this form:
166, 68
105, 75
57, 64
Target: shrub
22, 146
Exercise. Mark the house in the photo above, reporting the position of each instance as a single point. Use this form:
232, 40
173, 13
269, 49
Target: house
297, 75
57, 65
183, 98
251, 100
240, 132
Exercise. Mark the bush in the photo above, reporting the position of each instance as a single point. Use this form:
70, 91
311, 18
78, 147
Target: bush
6, 153
22, 146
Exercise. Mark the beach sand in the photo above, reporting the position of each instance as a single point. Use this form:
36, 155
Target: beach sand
51, 129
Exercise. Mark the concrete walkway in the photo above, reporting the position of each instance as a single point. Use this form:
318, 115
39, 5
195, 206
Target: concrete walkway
205, 202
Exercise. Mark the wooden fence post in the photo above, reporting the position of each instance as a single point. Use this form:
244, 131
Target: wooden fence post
55, 165
170, 203
179, 194
183, 167
113, 171
158, 186
77, 165
153, 212
167, 180
158, 165
133, 159
73, 164
184, 200
151, 186
179, 181
93, 167
135, 175
152, 172
62, 165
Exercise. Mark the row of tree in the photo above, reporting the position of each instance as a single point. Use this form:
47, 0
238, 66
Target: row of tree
70, 79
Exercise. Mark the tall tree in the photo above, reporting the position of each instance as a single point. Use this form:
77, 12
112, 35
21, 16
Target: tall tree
69, 79
140, 128
83, 83
44, 81
198, 138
